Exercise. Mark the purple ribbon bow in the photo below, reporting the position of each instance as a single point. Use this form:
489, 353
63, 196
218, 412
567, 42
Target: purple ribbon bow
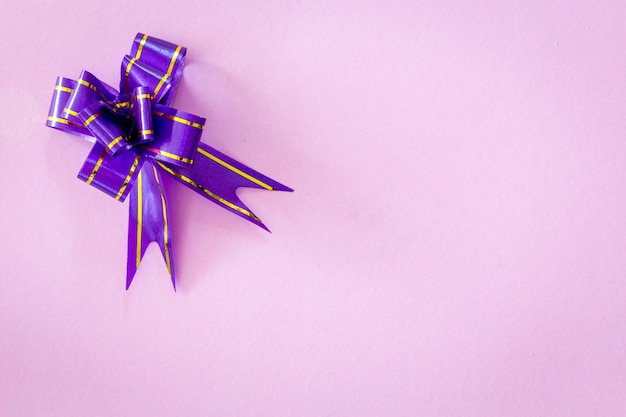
137, 136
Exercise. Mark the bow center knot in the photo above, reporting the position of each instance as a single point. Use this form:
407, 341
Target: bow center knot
122, 123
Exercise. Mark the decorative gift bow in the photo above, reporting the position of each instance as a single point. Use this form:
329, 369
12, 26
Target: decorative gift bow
137, 136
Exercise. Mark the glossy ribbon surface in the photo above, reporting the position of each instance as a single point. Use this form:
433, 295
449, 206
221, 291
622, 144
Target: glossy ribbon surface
137, 136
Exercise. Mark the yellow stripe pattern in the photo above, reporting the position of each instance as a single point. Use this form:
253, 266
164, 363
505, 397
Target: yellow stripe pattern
114, 142
170, 155
178, 119
209, 193
137, 55
128, 67
139, 219
61, 120
141, 44
165, 231
169, 71
72, 112
91, 86
93, 117
64, 89
96, 167
235, 170
127, 179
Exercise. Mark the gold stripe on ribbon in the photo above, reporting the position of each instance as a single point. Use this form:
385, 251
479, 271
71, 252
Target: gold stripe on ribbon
140, 96
91, 86
114, 142
146, 132
209, 193
61, 120
139, 220
165, 231
127, 179
133, 60
141, 44
87, 84
170, 155
173, 60
178, 119
96, 167
70, 111
64, 89
169, 71
93, 117
235, 170
127, 72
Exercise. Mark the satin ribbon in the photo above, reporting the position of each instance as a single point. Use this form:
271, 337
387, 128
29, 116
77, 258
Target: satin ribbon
137, 136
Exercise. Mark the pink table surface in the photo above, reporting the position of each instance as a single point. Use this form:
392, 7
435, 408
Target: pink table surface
455, 246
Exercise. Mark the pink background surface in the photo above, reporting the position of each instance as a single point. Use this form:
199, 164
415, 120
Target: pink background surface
456, 245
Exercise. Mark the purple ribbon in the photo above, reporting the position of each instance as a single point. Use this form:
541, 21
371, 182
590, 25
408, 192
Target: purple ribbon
137, 136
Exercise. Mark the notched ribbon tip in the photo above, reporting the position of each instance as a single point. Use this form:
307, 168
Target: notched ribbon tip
137, 136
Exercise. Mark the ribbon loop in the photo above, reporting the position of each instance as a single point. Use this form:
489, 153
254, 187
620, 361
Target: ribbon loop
141, 116
88, 90
162, 56
62, 92
137, 73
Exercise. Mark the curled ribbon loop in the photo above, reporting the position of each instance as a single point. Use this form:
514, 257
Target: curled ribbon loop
137, 136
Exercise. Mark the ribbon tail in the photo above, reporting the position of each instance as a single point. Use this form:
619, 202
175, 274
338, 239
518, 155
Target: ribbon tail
217, 176
148, 222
